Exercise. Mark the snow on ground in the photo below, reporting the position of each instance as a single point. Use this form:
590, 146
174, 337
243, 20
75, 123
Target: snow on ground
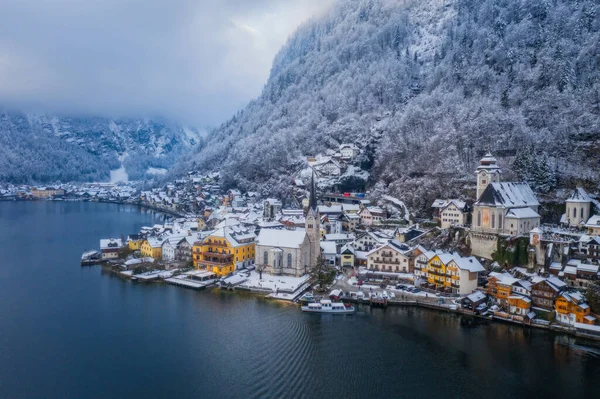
274, 283
399, 203
119, 175
156, 171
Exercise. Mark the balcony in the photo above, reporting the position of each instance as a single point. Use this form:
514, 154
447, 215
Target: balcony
436, 273
218, 255
206, 262
213, 244
438, 266
387, 254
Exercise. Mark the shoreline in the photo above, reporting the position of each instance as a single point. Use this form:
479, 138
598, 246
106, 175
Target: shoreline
557, 328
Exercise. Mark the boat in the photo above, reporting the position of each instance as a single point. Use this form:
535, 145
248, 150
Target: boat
326, 306
91, 258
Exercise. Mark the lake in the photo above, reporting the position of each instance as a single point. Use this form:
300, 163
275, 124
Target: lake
82, 332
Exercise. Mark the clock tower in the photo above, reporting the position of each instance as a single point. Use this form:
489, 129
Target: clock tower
487, 172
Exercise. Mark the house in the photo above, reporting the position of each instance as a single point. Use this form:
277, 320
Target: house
453, 273
519, 304
544, 292
152, 247
183, 252
110, 248
328, 168
371, 215
390, 257
570, 308
500, 286
347, 256
369, 240
329, 252
348, 151
577, 208
471, 301
593, 225
502, 207
271, 207
589, 246
350, 222
225, 250
134, 242
454, 213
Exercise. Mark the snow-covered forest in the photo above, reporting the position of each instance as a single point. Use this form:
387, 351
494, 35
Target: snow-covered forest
47, 149
425, 87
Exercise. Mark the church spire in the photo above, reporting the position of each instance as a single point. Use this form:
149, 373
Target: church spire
313, 195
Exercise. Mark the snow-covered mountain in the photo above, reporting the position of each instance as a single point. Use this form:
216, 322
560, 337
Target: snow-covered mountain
424, 88
47, 148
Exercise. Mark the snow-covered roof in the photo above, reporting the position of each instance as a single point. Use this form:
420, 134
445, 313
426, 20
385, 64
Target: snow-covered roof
504, 278
281, 238
111, 243
594, 221
509, 195
476, 296
522, 213
468, 263
585, 267
579, 195
328, 247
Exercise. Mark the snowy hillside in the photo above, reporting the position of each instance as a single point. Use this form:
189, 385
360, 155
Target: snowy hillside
47, 148
424, 88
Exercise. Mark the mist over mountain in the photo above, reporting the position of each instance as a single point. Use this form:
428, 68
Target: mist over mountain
49, 148
424, 88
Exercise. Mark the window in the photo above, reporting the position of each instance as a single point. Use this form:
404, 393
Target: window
483, 181
493, 221
266, 257
574, 212
478, 218
581, 213
500, 221
289, 263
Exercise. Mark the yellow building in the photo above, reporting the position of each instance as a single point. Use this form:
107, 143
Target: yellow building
437, 270
152, 247
571, 308
225, 250
134, 242
46, 192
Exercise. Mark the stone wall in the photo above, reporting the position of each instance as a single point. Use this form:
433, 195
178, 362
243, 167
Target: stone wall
483, 244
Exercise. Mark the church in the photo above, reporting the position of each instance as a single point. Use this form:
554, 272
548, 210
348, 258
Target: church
501, 208
291, 252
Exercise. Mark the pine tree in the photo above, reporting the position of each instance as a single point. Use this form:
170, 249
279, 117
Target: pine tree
323, 273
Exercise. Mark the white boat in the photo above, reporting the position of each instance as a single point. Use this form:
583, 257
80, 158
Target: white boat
326, 306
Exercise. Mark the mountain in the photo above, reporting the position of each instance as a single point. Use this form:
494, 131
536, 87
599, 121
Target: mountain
425, 88
49, 148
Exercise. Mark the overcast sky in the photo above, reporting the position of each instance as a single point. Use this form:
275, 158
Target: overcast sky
197, 61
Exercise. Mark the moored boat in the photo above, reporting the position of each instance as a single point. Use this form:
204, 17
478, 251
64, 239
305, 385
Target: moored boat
91, 258
327, 306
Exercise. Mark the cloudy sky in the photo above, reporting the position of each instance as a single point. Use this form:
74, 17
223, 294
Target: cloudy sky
197, 61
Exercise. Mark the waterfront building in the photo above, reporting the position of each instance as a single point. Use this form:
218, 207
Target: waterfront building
110, 248
284, 252
571, 308
500, 286
225, 250
453, 273
46, 192
152, 247
544, 292
471, 301
134, 242
390, 257
519, 304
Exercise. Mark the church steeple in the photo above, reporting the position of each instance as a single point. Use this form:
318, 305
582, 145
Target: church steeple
313, 224
312, 204
487, 172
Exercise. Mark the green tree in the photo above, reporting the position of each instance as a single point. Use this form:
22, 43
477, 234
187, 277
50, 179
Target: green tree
593, 296
323, 273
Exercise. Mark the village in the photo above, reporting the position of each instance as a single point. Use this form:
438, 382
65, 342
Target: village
498, 260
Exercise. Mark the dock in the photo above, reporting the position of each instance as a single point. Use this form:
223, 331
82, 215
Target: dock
195, 279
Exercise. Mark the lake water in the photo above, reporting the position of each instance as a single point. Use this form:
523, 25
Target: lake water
81, 332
